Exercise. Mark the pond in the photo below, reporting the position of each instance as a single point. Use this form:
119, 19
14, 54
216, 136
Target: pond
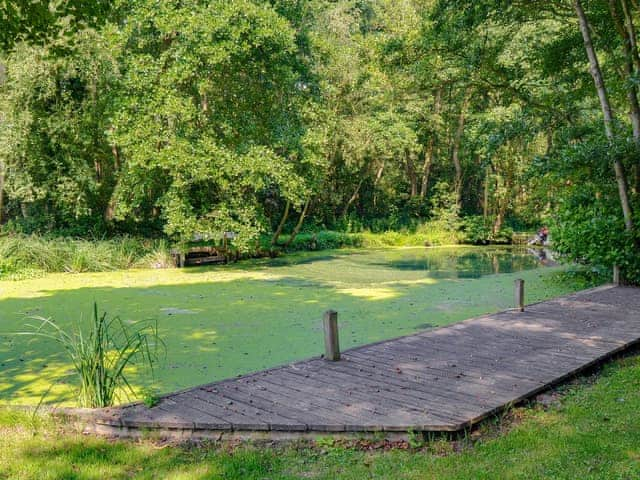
218, 322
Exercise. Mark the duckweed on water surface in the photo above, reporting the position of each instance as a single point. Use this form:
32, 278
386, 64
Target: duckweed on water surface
222, 321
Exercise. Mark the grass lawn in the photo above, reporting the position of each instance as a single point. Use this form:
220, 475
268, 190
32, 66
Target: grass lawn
218, 322
592, 433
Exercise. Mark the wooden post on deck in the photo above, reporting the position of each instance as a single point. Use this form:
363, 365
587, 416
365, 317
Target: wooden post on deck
519, 284
331, 341
616, 275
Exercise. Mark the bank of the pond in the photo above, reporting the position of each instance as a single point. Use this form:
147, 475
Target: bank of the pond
222, 321
30, 256
591, 432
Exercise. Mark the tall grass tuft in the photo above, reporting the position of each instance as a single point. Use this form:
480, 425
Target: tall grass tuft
100, 357
25, 256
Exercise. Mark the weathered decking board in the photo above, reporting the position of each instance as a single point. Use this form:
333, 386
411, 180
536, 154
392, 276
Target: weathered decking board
439, 380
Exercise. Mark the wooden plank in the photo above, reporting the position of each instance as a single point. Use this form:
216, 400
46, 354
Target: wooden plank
385, 398
277, 402
431, 392
369, 396
200, 418
242, 414
458, 391
452, 362
488, 355
290, 396
496, 346
289, 400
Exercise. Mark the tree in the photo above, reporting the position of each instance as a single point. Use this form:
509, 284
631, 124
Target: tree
208, 120
607, 111
39, 21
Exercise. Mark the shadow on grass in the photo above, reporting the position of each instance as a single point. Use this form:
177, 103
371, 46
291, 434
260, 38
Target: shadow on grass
87, 458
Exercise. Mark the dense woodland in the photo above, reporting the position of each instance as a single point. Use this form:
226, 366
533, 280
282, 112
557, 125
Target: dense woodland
154, 118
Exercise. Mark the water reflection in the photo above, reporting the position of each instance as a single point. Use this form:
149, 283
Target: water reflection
469, 263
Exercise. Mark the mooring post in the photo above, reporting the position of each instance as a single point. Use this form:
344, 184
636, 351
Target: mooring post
331, 341
616, 275
519, 284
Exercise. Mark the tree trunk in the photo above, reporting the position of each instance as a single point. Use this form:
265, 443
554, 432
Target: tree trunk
428, 156
353, 197
1, 192
485, 200
426, 168
631, 30
278, 232
497, 225
624, 28
298, 226
635, 57
456, 145
375, 184
110, 211
598, 79
413, 178
2, 80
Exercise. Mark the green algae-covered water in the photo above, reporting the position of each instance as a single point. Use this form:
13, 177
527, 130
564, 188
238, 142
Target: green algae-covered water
222, 321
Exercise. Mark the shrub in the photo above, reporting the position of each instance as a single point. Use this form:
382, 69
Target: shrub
595, 235
433, 233
479, 231
323, 240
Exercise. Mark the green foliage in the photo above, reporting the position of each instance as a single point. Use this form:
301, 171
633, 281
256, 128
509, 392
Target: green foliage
596, 236
324, 240
445, 207
43, 20
583, 277
416, 439
58, 163
587, 226
150, 398
207, 155
479, 231
434, 233
101, 356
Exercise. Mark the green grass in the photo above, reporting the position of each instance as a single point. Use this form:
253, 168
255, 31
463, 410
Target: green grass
593, 433
218, 322
428, 234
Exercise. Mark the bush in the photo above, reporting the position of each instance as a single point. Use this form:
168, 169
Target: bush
587, 226
595, 235
479, 231
434, 233
324, 240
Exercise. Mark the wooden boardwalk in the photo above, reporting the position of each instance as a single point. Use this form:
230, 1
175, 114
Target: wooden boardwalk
439, 380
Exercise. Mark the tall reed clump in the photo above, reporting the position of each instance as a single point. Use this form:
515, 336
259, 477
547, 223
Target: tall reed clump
23, 256
102, 355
